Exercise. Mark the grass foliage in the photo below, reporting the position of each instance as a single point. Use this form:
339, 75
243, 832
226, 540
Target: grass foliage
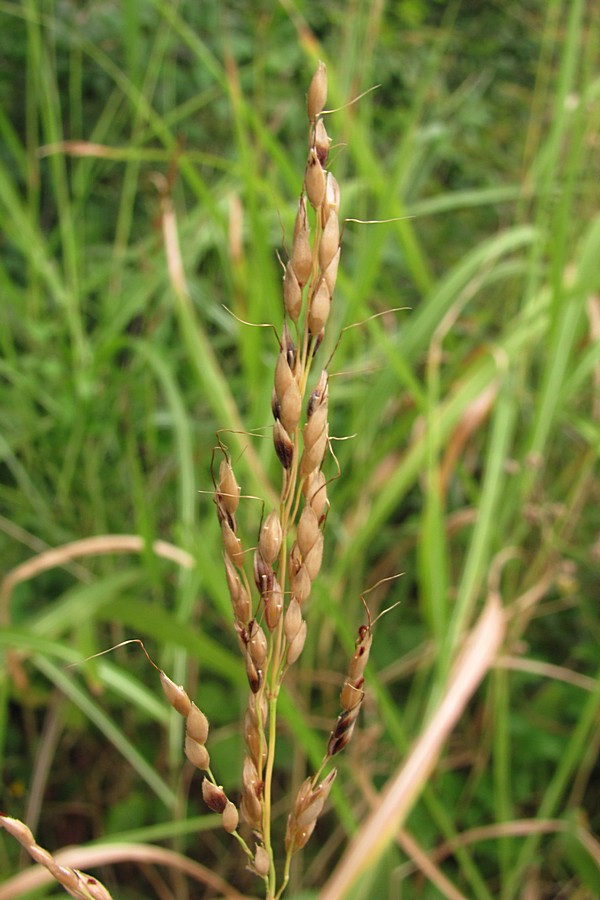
471, 418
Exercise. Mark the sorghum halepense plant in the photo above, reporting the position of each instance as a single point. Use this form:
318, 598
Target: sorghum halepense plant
269, 605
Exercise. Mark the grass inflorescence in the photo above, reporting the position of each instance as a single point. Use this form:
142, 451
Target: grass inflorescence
151, 160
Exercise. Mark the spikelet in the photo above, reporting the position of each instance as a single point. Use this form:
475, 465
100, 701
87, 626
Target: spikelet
76, 883
306, 810
352, 694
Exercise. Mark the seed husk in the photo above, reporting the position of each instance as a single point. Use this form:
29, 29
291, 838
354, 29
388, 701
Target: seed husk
292, 621
292, 293
214, 796
176, 695
262, 863
284, 447
297, 645
314, 179
308, 530
314, 557
301, 258
315, 492
230, 818
273, 605
317, 92
271, 536
322, 142
301, 584
196, 725
229, 490
330, 240
197, 753
320, 305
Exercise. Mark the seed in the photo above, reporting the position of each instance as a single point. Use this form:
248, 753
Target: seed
330, 240
308, 530
197, 753
317, 92
214, 796
297, 645
262, 863
263, 574
292, 293
301, 258
284, 447
315, 492
351, 694
314, 180
271, 536
314, 557
196, 725
291, 407
292, 621
257, 644
231, 817
332, 198
301, 585
273, 605
320, 306
176, 695
229, 490
313, 455
322, 142
330, 273
232, 544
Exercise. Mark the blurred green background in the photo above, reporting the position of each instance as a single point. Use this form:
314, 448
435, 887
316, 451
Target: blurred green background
472, 417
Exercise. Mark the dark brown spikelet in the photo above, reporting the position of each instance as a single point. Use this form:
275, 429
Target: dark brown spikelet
284, 447
214, 797
341, 734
